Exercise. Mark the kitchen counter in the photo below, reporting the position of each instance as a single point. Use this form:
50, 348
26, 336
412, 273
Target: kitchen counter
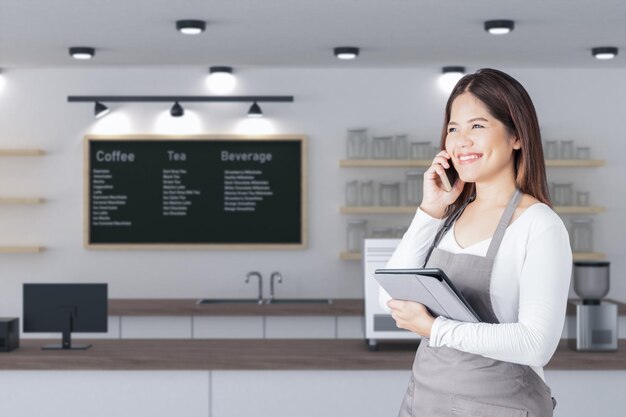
256, 355
188, 307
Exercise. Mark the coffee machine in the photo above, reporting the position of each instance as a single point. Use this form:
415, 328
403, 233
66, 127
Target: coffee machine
596, 320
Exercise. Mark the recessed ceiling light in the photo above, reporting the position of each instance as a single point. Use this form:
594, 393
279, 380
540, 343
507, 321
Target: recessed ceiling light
604, 52
221, 80
255, 110
82, 52
449, 77
499, 27
346, 52
190, 27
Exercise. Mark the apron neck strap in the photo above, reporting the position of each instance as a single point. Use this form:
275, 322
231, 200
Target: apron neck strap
446, 225
503, 224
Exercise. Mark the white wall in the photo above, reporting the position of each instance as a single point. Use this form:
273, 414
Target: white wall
584, 105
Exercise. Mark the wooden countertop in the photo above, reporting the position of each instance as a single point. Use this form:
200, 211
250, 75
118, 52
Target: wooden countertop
255, 355
188, 307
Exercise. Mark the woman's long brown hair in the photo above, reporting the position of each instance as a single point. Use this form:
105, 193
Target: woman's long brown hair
508, 101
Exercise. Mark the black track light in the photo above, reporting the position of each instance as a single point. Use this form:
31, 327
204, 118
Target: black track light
82, 52
604, 52
255, 110
100, 110
177, 110
190, 27
499, 27
346, 52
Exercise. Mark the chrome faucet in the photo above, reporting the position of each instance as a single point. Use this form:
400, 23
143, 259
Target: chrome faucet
278, 275
258, 275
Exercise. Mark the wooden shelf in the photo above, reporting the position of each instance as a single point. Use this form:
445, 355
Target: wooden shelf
21, 249
378, 210
412, 209
382, 163
589, 256
574, 163
414, 163
579, 256
21, 200
350, 256
21, 152
579, 209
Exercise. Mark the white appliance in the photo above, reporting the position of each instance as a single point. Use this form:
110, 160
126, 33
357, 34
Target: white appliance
379, 325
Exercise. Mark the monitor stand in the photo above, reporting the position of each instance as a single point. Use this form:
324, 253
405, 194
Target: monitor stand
67, 336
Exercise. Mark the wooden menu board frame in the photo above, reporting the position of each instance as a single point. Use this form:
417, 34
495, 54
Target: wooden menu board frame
88, 139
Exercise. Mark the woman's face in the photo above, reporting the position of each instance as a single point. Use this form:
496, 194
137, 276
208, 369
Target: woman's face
481, 146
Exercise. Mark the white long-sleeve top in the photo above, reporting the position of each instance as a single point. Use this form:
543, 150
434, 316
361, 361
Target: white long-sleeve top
529, 287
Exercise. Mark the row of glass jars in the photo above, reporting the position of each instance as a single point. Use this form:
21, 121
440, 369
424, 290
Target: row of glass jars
565, 149
390, 193
358, 231
580, 233
562, 194
386, 147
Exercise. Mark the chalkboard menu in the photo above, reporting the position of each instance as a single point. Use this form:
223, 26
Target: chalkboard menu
195, 191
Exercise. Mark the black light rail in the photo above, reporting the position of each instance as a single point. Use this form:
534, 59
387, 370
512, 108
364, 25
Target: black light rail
158, 99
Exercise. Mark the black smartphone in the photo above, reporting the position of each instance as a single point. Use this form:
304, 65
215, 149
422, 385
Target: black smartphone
450, 178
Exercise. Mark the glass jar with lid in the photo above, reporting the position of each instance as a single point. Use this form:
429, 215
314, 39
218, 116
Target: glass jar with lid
383, 147
563, 194
382, 233
583, 152
414, 187
356, 234
389, 193
358, 144
551, 149
582, 234
582, 198
567, 149
352, 193
367, 193
420, 150
401, 146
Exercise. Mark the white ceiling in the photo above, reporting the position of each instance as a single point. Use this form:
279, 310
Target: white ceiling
302, 33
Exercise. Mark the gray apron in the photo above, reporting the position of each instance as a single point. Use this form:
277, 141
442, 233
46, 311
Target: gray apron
450, 382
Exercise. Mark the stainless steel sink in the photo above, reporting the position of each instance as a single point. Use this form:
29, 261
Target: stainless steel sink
229, 301
301, 301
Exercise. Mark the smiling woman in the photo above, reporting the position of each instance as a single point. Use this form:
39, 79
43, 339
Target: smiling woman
515, 278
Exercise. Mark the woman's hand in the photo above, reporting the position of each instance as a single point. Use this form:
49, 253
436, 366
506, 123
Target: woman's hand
436, 199
411, 316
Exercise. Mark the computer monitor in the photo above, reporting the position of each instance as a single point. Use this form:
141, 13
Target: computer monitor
65, 308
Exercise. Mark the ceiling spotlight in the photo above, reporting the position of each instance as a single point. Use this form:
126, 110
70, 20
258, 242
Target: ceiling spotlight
499, 27
100, 110
255, 110
346, 52
177, 110
604, 52
190, 27
450, 76
82, 52
221, 80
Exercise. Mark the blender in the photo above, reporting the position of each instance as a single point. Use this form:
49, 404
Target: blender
596, 320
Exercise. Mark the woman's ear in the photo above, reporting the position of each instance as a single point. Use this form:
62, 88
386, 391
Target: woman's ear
517, 144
